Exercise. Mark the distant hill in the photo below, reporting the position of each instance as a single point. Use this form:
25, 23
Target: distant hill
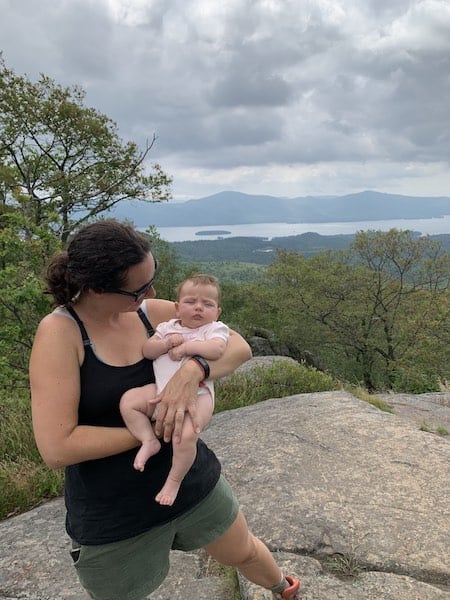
262, 251
232, 208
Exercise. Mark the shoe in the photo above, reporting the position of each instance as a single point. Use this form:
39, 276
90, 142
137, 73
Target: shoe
289, 593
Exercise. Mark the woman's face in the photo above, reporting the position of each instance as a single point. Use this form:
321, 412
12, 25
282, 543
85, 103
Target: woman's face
139, 283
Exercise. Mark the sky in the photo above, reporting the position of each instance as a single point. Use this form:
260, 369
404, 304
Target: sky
280, 97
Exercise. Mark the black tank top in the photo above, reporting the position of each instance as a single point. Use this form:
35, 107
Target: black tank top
107, 500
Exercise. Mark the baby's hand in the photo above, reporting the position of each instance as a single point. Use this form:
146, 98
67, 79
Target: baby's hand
175, 339
177, 353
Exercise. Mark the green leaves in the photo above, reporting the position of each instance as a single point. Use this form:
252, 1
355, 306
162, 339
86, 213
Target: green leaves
371, 313
61, 164
67, 159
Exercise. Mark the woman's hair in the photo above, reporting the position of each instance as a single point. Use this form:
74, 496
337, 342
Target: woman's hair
200, 279
98, 257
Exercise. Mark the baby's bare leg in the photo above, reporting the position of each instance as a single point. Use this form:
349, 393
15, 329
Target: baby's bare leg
136, 412
185, 451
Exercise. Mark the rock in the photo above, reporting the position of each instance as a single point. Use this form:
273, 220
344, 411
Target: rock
357, 489
351, 499
430, 412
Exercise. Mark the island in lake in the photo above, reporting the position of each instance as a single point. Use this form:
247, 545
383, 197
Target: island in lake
213, 232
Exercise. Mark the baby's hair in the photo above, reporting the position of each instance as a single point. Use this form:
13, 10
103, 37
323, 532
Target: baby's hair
200, 279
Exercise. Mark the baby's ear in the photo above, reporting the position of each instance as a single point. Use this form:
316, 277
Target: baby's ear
219, 311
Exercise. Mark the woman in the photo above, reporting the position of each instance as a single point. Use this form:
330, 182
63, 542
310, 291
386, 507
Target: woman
86, 354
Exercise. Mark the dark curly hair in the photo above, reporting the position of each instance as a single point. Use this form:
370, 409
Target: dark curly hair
98, 257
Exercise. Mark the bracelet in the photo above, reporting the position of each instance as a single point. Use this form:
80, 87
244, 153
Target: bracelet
203, 364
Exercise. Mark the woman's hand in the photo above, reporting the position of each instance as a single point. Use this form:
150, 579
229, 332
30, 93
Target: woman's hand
178, 397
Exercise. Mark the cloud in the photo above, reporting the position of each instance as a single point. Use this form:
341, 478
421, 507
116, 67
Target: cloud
270, 96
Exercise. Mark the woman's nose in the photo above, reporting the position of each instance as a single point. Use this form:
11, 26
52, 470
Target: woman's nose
151, 293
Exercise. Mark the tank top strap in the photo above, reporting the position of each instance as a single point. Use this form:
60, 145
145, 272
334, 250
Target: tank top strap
84, 334
146, 322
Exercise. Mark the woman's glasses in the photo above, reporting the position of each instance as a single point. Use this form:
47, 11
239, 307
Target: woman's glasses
142, 291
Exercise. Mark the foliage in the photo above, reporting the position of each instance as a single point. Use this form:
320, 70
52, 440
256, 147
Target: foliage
231, 272
257, 250
375, 305
22, 303
170, 272
372, 399
24, 479
61, 164
275, 381
66, 159
443, 431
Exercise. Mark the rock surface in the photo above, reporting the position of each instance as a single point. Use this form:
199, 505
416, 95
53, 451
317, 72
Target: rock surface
351, 499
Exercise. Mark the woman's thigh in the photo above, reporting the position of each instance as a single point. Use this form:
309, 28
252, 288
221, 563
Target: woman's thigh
126, 570
207, 521
131, 569
235, 545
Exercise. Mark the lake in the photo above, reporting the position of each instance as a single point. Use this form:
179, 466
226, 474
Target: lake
271, 230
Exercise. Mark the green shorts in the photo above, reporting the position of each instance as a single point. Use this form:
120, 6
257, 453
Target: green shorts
133, 568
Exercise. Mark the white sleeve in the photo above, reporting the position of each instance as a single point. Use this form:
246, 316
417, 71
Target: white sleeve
218, 330
164, 329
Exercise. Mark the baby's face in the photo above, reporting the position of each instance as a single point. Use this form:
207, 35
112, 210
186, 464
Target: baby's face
198, 305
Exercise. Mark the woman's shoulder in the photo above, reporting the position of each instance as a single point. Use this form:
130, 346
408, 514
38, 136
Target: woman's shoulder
159, 310
57, 338
58, 322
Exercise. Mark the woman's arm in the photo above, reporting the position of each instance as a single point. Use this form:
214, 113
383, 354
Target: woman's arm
55, 390
180, 394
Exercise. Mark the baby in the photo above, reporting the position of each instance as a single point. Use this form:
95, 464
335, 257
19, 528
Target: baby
194, 331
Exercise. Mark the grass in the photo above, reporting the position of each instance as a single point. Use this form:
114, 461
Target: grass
25, 481
227, 575
443, 431
344, 565
440, 430
372, 399
275, 381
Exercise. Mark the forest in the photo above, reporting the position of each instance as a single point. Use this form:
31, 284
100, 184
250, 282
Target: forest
261, 251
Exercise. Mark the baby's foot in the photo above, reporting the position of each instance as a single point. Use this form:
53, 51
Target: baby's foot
148, 448
168, 493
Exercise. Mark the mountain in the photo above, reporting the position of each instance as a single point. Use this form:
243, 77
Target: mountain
232, 208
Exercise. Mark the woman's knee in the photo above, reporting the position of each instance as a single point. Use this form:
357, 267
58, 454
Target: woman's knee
249, 554
238, 546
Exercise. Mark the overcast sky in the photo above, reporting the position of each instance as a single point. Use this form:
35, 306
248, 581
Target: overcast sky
280, 97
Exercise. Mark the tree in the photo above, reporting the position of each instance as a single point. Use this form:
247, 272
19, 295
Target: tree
22, 302
375, 304
61, 164
66, 159
170, 273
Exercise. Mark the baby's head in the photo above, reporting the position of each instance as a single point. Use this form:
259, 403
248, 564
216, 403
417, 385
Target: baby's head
198, 299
